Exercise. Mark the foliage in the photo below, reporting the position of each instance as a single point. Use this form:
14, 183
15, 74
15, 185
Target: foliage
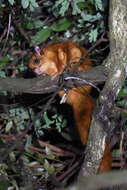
24, 169
85, 14
44, 34
45, 123
31, 4
122, 97
19, 117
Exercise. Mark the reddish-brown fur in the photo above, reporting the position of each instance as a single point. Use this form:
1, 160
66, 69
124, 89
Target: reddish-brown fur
53, 59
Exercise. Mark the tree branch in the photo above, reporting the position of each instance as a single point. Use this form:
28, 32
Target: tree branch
42, 85
101, 181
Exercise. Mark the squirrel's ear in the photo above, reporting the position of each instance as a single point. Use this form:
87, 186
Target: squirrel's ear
75, 54
62, 56
37, 50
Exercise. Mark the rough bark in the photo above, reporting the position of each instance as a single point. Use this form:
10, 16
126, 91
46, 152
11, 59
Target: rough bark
117, 61
100, 181
43, 85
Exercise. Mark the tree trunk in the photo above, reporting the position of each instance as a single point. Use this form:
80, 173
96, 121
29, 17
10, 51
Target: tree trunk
117, 62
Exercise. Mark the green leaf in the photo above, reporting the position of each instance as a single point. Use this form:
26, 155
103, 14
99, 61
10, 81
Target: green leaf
12, 156
28, 143
11, 2
29, 25
4, 60
2, 74
41, 36
83, 5
4, 184
25, 3
38, 24
50, 157
31, 8
76, 9
33, 3
91, 18
34, 24
46, 165
93, 35
99, 5
58, 2
48, 122
64, 8
51, 169
37, 123
8, 126
122, 93
47, 150
61, 25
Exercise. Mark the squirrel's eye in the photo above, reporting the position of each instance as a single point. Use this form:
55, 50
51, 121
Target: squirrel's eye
36, 61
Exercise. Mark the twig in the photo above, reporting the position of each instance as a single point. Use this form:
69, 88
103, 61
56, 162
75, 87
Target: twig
2, 36
8, 30
22, 32
102, 39
61, 177
56, 149
33, 148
